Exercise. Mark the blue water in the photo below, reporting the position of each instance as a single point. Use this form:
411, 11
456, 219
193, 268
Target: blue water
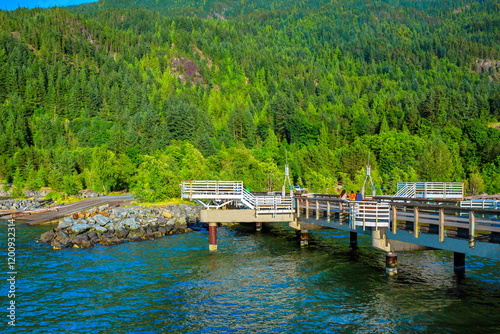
255, 283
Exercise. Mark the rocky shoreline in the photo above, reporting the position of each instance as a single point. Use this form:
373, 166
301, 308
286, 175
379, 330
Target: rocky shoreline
122, 224
24, 204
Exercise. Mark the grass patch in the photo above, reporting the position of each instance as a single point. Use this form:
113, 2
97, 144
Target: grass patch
170, 201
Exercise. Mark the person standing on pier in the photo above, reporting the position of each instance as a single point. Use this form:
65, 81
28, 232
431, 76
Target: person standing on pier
359, 196
352, 196
343, 196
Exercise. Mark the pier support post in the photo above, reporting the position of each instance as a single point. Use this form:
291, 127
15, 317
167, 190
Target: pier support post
212, 236
391, 263
353, 239
258, 226
304, 238
459, 263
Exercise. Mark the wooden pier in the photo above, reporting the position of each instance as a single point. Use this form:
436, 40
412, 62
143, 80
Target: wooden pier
395, 224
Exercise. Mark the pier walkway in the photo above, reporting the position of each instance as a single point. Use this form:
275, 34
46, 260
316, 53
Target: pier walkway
432, 218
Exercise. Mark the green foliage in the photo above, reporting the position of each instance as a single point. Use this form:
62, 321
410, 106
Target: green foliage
143, 94
155, 181
55, 196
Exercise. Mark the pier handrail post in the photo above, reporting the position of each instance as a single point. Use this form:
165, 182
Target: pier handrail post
317, 210
415, 222
441, 225
307, 209
297, 202
394, 219
472, 229
328, 210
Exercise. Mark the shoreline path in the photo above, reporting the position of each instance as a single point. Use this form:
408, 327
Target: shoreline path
46, 216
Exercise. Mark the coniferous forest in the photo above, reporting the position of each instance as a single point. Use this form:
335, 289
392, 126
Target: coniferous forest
139, 95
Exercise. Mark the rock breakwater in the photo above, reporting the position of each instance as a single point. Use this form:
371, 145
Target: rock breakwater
118, 225
24, 204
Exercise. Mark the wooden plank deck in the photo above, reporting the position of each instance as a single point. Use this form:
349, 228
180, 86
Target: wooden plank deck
47, 216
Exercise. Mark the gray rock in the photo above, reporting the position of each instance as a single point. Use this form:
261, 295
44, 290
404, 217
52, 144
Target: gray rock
101, 220
121, 233
132, 236
66, 222
62, 237
99, 228
93, 236
110, 226
181, 221
69, 220
48, 236
120, 212
82, 241
131, 223
80, 227
162, 230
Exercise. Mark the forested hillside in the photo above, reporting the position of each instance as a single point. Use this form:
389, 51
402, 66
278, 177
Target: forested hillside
139, 95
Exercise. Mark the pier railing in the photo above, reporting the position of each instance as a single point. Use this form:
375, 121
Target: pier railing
474, 224
481, 204
430, 190
273, 204
370, 214
446, 221
217, 194
202, 189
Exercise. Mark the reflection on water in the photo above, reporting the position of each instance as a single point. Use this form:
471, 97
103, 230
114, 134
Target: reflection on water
254, 283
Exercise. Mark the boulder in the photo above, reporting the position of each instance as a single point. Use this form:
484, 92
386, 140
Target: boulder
141, 232
121, 233
132, 236
101, 220
110, 240
58, 245
119, 213
94, 237
110, 226
47, 236
162, 230
99, 228
82, 241
149, 233
181, 221
131, 223
80, 227
61, 237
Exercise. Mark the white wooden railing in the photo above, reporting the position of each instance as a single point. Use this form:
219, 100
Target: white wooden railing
430, 190
212, 189
481, 204
217, 194
370, 214
445, 218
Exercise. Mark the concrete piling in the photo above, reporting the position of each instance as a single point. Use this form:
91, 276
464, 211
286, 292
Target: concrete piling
304, 238
391, 263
